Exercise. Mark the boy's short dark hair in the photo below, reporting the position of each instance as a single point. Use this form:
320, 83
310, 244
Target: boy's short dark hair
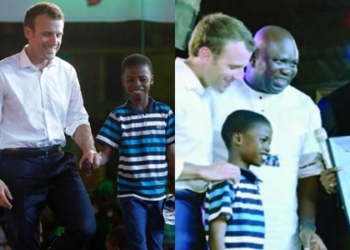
40, 9
136, 60
240, 121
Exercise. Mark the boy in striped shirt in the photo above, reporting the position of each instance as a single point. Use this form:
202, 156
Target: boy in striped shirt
143, 131
234, 212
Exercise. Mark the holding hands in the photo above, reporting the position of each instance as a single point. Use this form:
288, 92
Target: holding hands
90, 161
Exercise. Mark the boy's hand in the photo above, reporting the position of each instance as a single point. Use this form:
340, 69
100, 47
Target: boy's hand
90, 161
87, 168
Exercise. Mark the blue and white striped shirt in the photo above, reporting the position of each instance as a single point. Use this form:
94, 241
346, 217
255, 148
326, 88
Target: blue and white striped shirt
142, 138
242, 206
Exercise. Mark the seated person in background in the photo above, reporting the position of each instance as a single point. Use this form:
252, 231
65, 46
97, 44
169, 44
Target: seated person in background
330, 219
231, 208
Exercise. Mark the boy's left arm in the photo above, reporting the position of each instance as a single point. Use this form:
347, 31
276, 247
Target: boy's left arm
170, 148
170, 156
217, 231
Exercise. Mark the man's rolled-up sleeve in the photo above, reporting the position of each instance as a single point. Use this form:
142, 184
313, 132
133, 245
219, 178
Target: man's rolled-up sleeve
310, 161
76, 114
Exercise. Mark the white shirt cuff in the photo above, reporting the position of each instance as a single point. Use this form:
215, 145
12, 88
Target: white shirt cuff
310, 165
179, 166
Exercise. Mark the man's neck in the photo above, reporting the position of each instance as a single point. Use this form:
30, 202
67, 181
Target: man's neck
39, 64
248, 82
195, 65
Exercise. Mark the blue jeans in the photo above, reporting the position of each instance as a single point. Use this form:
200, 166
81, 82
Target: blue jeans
189, 228
143, 223
46, 180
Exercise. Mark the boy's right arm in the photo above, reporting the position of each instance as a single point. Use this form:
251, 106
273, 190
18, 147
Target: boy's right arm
217, 230
219, 212
105, 154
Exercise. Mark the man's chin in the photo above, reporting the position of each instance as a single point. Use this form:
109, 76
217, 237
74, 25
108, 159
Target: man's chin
50, 57
277, 88
276, 91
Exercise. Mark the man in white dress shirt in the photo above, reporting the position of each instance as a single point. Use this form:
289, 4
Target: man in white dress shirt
219, 48
290, 175
40, 100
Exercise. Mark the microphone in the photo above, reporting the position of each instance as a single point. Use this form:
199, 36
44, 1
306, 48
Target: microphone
321, 137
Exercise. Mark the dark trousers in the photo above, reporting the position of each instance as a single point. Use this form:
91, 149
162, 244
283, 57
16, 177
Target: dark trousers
52, 180
143, 223
189, 228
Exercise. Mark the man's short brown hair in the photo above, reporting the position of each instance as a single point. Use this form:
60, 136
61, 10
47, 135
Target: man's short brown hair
40, 9
215, 30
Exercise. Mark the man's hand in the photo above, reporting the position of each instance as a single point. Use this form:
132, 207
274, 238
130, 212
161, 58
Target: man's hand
310, 240
5, 194
328, 180
221, 171
89, 162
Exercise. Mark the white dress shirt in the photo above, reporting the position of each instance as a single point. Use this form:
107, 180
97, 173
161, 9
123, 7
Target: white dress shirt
36, 108
193, 130
294, 118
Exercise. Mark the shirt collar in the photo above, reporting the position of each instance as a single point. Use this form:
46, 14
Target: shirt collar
24, 61
151, 107
250, 176
257, 94
191, 80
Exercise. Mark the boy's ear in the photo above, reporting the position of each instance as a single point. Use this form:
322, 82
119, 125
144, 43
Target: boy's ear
237, 138
152, 79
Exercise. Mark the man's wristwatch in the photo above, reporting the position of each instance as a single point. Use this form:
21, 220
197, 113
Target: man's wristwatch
307, 224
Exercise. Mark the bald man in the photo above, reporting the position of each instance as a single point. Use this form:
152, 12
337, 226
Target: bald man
291, 171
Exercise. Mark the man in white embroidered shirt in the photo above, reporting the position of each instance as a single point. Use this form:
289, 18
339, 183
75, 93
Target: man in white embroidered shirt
220, 47
40, 99
290, 176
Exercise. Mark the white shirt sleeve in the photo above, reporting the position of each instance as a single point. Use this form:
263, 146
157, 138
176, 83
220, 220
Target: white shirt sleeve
77, 114
179, 166
310, 162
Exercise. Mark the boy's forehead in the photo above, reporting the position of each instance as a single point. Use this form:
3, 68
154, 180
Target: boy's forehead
139, 69
260, 127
